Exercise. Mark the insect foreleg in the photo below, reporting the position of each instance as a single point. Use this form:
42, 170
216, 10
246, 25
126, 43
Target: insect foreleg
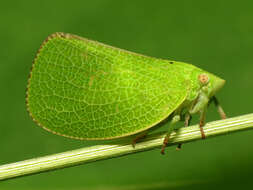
219, 108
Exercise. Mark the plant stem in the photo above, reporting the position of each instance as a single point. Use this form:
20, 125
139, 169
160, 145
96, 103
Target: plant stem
122, 147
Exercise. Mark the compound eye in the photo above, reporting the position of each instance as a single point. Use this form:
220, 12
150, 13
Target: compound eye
203, 78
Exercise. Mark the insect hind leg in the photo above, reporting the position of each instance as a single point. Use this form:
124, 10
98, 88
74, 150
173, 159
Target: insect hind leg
139, 137
187, 120
142, 135
171, 128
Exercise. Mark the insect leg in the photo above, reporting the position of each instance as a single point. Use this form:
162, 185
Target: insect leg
139, 137
202, 122
219, 108
186, 123
174, 120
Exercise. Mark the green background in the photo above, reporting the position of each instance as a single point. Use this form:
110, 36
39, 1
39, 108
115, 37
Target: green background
214, 35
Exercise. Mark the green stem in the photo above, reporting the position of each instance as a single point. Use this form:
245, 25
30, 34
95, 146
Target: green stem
123, 147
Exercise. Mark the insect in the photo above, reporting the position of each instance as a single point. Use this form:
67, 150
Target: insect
87, 90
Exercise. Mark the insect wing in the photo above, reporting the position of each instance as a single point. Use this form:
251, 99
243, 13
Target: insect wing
83, 89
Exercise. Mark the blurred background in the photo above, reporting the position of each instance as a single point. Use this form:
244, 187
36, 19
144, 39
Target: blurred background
214, 35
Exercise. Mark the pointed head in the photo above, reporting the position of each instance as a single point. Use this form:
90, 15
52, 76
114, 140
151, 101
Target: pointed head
210, 83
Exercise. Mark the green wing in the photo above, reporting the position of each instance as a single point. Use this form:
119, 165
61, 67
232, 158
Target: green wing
83, 89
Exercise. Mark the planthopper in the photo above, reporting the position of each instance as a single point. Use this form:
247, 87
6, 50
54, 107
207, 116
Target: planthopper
87, 90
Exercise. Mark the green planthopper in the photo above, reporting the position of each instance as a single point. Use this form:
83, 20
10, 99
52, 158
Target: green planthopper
87, 90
